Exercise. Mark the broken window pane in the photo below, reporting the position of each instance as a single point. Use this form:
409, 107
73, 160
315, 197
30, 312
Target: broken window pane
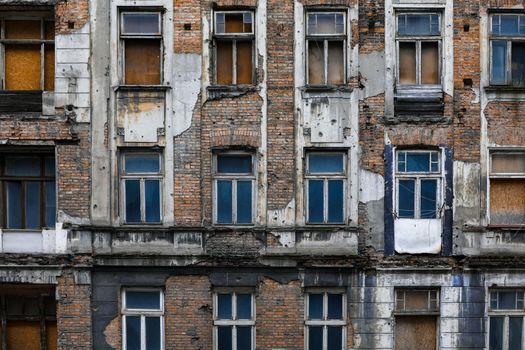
335, 306
224, 202
142, 300
315, 62
407, 63
315, 338
518, 63
142, 61
244, 338
418, 24
315, 201
153, 334
32, 205
325, 163
244, 202
132, 189
335, 338
429, 63
508, 163
496, 333
335, 62
224, 62
499, 62
22, 67
507, 201
224, 337
132, 332
428, 199
244, 306
141, 23
406, 198
244, 62
238, 164
335, 201
152, 194
315, 306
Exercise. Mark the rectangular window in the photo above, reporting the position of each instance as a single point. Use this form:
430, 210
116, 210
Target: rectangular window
141, 186
234, 321
416, 319
326, 48
325, 187
141, 42
142, 319
418, 184
507, 188
419, 48
506, 312
234, 37
325, 321
27, 188
507, 41
234, 182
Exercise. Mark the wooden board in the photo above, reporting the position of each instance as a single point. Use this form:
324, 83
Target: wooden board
142, 62
51, 335
224, 62
415, 332
244, 62
22, 67
23, 335
507, 201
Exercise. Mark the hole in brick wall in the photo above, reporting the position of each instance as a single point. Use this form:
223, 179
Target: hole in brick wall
71, 25
466, 27
467, 83
187, 26
371, 24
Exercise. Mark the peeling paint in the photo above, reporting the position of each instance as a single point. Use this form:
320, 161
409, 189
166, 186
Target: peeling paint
186, 89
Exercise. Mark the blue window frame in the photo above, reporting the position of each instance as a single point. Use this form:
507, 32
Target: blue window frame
507, 55
234, 183
234, 320
325, 187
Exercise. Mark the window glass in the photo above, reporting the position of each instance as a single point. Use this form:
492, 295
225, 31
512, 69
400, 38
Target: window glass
224, 310
140, 23
315, 338
499, 62
315, 306
142, 163
32, 205
335, 62
428, 199
224, 337
233, 22
244, 338
152, 194
132, 188
515, 332
49, 166
335, 306
325, 163
244, 202
50, 203
406, 198
430, 62
14, 213
518, 63
320, 23
315, 62
224, 202
315, 201
496, 333
239, 164
22, 166
132, 332
142, 300
407, 63
511, 25
244, 306
418, 24
335, 338
335, 201
153, 335
418, 162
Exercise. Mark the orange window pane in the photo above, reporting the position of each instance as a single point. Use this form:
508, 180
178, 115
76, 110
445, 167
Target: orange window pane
336, 69
234, 23
429, 63
244, 62
142, 62
224, 62
49, 68
49, 30
23, 335
507, 201
407, 63
23, 29
315, 62
51, 335
22, 67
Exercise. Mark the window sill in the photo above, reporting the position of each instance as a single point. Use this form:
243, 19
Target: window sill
142, 88
510, 227
505, 88
327, 88
220, 91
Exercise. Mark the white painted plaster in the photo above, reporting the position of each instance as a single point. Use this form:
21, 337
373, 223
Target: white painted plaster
262, 214
372, 186
418, 236
22, 242
372, 69
466, 192
282, 217
60, 239
186, 88
142, 125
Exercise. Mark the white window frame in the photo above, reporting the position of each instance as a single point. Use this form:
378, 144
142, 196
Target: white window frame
418, 40
325, 322
122, 41
234, 178
418, 176
142, 177
428, 311
505, 314
509, 40
326, 38
325, 177
233, 322
143, 313
233, 38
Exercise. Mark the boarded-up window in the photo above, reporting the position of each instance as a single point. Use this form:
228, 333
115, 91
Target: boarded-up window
234, 48
326, 46
141, 38
507, 188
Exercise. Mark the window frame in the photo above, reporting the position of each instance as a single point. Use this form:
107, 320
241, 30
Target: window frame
122, 42
326, 38
326, 177
142, 177
418, 39
506, 314
234, 178
325, 322
233, 38
508, 39
418, 176
428, 311
233, 322
142, 313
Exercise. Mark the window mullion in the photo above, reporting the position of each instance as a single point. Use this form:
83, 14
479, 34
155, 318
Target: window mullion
42, 55
417, 200
506, 333
142, 201
418, 62
234, 62
509, 62
325, 200
234, 337
325, 337
143, 332
325, 50
234, 201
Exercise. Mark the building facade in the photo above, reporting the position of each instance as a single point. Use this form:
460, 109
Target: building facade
262, 174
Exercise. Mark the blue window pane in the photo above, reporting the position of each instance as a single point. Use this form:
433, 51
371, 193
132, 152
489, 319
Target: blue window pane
315, 201
224, 307
315, 306
244, 306
509, 25
418, 162
335, 338
140, 23
132, 332
143, 300
406, 193
240, 164
518, 64
325, 163
22, 166
50, 203
335, 306
224, 338
244, 202
32, 205
49, 166
499, 62
428, 199
515, 332
153, 333
401, 162
132, 200
507, 300
496, 333
414, 24
14, 210
315, 338
335, 201
142, 163
152, 194
224, 202
244, 338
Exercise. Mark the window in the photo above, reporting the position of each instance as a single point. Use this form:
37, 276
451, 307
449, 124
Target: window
419, 46
418, 184
506, 314
234, 321
507, 188
326, 47
28, 191
142, 319
28, 53
141, 177
234, 188
416, 316
325, 321
234, 47
325, 188
507, 50
141, 40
